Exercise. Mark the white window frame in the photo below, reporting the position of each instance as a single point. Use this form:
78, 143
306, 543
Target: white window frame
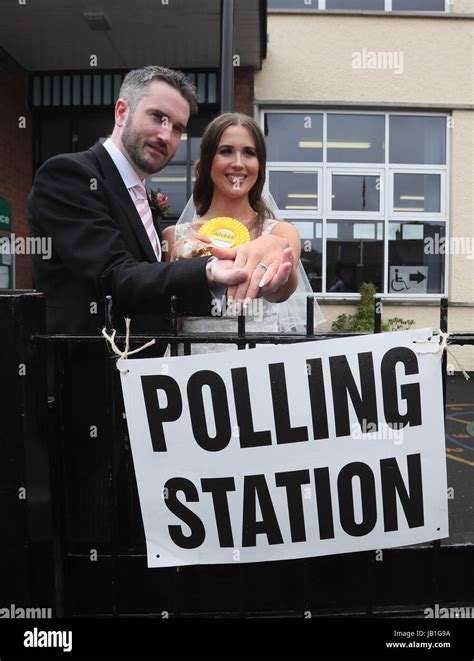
417, 215
355, 171
388, 8
387, 168
316, 169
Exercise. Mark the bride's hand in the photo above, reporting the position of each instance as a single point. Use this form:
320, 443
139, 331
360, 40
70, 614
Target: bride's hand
190, 247
270, 251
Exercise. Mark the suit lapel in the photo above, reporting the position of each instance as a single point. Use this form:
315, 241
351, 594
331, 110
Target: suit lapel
118, 188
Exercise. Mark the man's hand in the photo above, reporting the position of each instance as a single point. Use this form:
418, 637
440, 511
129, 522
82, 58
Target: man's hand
224, 272
271, 251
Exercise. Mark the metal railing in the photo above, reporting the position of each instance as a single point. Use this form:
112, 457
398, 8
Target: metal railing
85, 544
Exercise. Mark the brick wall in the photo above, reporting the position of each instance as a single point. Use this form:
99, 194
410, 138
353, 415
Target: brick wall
16, 154
244, 90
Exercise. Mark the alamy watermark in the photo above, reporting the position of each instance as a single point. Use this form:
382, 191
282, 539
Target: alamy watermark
249, 308
454, 245
26, 245
463, 612
14, 612
379, 60
378, 431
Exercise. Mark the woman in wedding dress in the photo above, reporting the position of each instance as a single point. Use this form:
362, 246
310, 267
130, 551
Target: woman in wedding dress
230, 178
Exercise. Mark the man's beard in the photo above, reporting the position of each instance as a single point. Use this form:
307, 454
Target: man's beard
131, 140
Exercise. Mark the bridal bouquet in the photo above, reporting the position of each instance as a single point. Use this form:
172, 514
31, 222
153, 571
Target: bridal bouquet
159, 202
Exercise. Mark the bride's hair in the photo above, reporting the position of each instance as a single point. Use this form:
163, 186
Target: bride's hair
204, 188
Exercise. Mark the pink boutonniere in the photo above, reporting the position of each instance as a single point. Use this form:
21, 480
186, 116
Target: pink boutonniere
159, 202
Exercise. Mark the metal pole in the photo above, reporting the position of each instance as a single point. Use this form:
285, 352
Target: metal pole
227, 55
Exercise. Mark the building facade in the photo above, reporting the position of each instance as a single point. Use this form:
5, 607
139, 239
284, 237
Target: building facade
368, 110
367, 107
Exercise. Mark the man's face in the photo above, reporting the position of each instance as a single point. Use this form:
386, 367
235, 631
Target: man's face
152, 133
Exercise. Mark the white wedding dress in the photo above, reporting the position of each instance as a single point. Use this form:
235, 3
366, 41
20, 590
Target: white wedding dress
264, 317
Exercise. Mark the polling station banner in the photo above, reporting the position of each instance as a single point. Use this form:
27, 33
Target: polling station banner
281, 452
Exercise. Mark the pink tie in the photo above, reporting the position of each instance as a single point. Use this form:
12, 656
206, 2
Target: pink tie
143, 208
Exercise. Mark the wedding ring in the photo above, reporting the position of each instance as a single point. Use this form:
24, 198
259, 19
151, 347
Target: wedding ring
262, 266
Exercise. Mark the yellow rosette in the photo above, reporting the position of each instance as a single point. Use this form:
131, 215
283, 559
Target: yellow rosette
225, 232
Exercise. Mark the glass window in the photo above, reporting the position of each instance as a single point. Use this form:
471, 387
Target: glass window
47, 90
416, 139
417, 5
416, 258
212, 92
182, 149
355, 192
201, 87
107, 100
417, 192
37, 91
86, 90
293, 4
97, 90
311, 258
66, 100
295, 191
356, 138
76, 90
117, 85
172, 182
354, 255
195, 148
294, 137
56, 90
375, 5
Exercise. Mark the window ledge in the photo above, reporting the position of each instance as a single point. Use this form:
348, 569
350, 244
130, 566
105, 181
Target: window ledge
368, 12
353, 300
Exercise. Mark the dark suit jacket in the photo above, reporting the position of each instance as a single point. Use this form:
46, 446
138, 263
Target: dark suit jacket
100, 247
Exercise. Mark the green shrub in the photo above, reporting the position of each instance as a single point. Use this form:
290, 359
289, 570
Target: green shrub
363, 320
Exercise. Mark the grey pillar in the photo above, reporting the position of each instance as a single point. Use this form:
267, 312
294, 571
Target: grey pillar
227, 54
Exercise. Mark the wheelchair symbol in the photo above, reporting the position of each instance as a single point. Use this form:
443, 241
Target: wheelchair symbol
398, 283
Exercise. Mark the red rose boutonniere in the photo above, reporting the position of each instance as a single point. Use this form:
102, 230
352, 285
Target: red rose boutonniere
159, 202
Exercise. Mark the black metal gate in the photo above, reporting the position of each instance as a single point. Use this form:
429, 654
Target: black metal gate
76, 540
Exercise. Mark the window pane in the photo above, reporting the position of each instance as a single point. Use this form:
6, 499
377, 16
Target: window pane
416, 258
195, 148
378, 5
47, 91
417, 192
294, 137
97, 90
56, 90
66, 90
172, 182
107, 100
417, 5
37, 91
76, 90
86, 90
356, 139
310, 232
117, 85
182, 149
212, 82
355, 192
293, 4
201, 87
354, 255
417, 139
295, 191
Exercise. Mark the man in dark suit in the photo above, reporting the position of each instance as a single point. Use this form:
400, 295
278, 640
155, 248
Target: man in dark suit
88, 204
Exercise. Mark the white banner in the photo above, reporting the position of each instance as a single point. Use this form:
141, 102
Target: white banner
281, 452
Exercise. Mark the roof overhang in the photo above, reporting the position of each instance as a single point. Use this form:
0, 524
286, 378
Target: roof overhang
56, 35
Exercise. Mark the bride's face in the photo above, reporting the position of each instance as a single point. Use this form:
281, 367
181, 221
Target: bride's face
235, 165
